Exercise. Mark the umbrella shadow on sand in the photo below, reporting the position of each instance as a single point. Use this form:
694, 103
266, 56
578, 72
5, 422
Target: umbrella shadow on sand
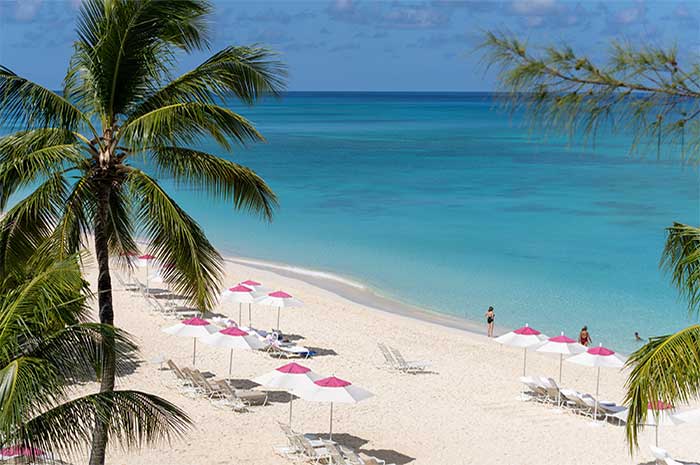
357, 444
241, 383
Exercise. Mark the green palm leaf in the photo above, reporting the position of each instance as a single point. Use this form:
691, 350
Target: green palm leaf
681, 258
186, 123
133, 419
218, 177
665, 369
175, 238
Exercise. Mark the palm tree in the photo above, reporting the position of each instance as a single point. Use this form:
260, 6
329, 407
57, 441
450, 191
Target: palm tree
655, 96
46, 345
667, 368
121, 103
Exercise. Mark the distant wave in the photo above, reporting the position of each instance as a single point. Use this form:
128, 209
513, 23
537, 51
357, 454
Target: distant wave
299, 271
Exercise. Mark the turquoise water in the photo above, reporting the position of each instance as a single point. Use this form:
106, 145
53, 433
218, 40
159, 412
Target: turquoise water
444, 201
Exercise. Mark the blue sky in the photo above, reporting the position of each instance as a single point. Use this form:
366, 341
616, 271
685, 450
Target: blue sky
372, 45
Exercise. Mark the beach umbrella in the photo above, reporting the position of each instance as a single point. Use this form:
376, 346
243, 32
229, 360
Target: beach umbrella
279, 299
525, 338
243, 295
563, 346
658, 414
194, 328
257, 287
144, 261
335, 390
13, 452
598, 357
293, 378
232, 338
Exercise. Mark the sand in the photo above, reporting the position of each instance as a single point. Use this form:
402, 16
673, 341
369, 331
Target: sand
467, 412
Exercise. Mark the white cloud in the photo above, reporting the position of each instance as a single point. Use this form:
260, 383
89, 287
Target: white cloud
26, 10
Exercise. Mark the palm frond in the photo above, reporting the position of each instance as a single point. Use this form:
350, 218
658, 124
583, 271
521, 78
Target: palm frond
218, 177
76, 218
27, 104
175, 238
186, 123
30, 222
247, 72
27, 156
666, 369
133, 419
124, 45
681, 258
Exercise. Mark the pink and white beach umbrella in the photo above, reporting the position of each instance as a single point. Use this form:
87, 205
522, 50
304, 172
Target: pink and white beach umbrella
524, 338
598, 357
194, 328
144, 261
658, 414
232, 338
335, 390
562, 345
293, 378
243, 295
279, 299
12, 452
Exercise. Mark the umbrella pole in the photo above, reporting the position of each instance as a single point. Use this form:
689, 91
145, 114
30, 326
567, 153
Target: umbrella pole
330, 436
291, 401
250, 323
524, 360
656, 428
278, 318
194, 352
597, 389
561, 359
240, 314
147, 290
230, 363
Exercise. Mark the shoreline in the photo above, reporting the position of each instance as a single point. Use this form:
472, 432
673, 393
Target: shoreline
361, 294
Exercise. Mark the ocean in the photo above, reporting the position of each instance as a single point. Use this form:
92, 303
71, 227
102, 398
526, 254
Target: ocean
445, 201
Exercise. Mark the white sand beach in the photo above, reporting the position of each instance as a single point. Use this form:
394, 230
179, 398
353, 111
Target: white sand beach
467, 412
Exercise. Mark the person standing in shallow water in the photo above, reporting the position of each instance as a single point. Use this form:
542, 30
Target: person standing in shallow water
584, 338
490, 317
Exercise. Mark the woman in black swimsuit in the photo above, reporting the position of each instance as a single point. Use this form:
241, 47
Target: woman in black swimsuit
490, 317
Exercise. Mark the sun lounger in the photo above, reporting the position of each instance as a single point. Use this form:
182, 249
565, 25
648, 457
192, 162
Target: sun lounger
288, 351
535, 390
247, 396
664, 458
311, 453
186, 384
408, 366
389, 360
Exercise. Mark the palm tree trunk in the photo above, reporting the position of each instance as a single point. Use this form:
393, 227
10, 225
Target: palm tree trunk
104, 289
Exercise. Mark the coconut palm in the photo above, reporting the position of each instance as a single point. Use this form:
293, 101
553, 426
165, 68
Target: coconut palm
654, 95
89, 154
46, 345
667, 368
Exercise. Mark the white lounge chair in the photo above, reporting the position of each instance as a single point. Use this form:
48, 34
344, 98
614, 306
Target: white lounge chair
389, 360
413, 366
663, 458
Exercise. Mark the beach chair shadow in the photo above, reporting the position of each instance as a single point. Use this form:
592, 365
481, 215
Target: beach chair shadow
387, 455
279, 397
294, 337
345, 439
241, 383
319, 352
